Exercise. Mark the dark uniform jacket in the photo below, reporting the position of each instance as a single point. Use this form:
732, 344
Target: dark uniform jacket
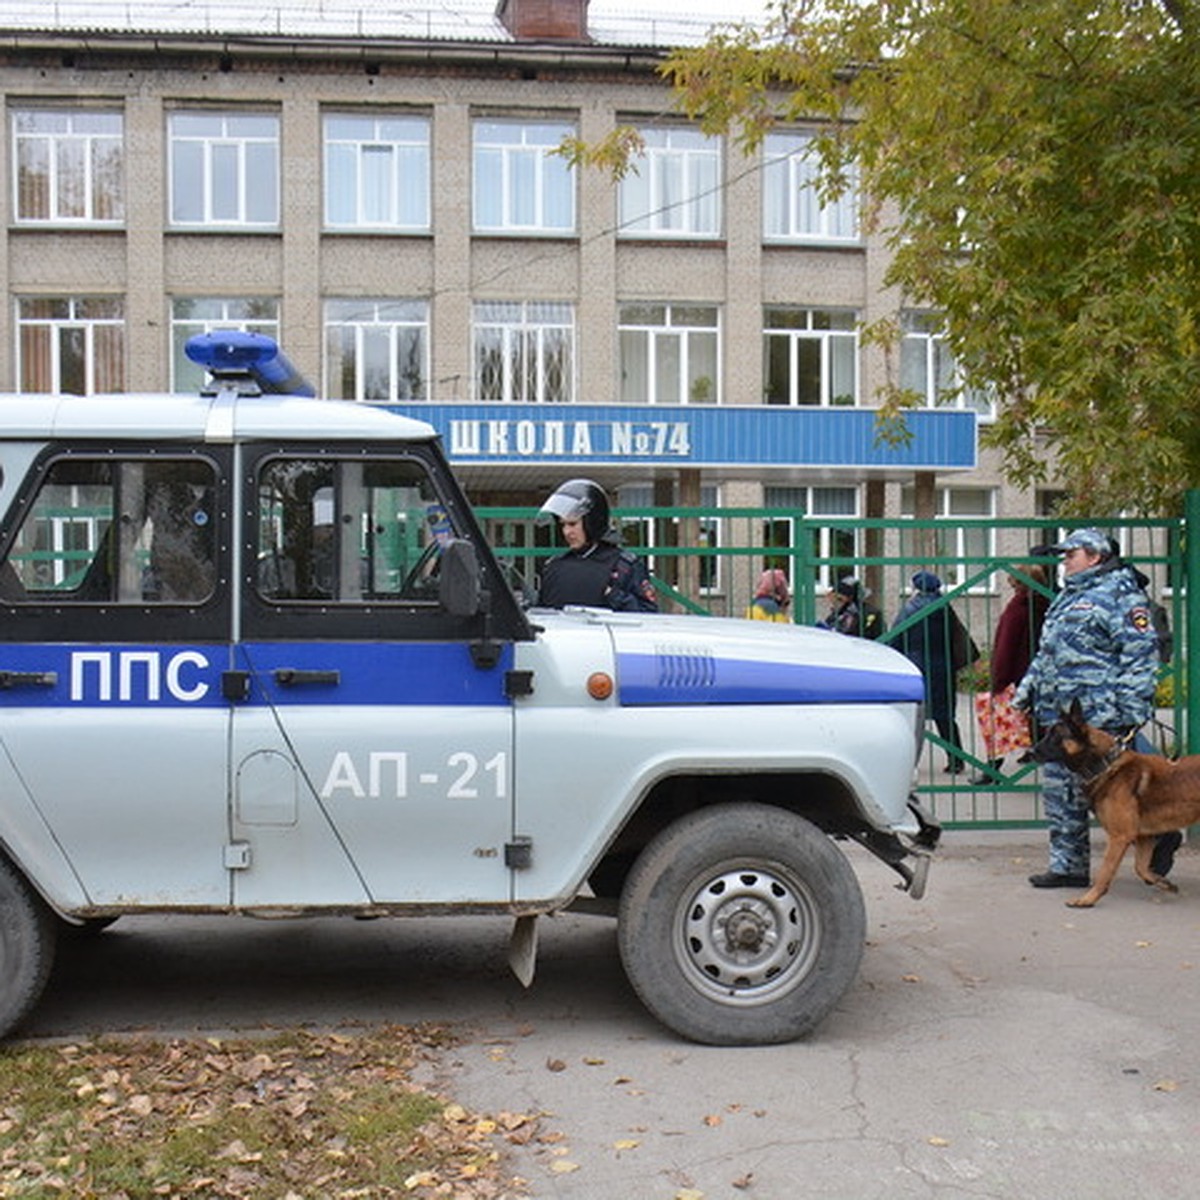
601, 576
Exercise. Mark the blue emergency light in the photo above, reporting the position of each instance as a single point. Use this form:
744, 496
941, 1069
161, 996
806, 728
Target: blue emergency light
226, 352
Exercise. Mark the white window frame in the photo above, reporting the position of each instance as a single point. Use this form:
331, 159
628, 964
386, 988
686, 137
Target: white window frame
75, 148
365, 325
519, 186
523, 334
682, 357
835, 333
673, 188
793, 210
377, 155
216, 148
817, 505
929, 368
712, 528
75, 321
216, 313
957, 521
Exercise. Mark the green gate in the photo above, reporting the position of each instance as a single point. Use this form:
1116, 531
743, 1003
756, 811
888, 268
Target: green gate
706, 560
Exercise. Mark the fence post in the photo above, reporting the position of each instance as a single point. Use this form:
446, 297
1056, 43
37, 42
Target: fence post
1191, 617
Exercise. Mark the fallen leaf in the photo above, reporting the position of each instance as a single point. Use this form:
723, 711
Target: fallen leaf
689, 1194
712, 1120
555, 1064
1166, 1085
910, 978
593, 1062
938, 1141
745, 1181
626, 1144
1143, 945
563, 1166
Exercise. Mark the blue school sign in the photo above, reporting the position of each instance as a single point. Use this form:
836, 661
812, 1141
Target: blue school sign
703, 436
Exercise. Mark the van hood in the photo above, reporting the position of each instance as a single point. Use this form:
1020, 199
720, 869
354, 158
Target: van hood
667, 659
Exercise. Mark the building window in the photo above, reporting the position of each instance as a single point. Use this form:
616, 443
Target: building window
826, 540
669, 354
191, 315
524, 351
792, 206
520, 185
953, 539
810, 356
639, 534
69, 166
224, 169
673, 189
928, 367
376, 349
376, 172
71, 344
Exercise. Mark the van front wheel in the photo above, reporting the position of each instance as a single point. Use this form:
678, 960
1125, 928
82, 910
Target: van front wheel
27, 937
741, 924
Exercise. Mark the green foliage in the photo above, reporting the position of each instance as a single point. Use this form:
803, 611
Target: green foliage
1035, 169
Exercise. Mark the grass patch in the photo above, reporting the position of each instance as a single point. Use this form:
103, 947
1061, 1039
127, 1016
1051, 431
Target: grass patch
297, 1117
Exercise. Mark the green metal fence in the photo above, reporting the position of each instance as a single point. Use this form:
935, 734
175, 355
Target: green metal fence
707, 559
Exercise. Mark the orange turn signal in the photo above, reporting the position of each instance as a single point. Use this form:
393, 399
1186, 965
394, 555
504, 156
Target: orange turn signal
599, 685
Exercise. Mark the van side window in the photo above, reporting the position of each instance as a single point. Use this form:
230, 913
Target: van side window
133, 531
350, 530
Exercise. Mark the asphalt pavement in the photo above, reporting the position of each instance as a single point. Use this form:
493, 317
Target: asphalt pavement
996, 1043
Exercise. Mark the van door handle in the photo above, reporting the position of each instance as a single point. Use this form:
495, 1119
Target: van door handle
12, 679
291, 677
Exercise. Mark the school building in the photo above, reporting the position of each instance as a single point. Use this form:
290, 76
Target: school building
375, 187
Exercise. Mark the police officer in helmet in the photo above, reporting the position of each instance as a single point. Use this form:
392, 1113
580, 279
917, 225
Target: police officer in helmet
594, 570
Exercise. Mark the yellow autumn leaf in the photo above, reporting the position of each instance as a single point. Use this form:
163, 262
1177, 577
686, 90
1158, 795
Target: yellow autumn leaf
1166, 1085
938, 1141
626, 1144
563, 1166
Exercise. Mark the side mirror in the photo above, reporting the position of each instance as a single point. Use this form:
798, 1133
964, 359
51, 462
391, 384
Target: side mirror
459, 590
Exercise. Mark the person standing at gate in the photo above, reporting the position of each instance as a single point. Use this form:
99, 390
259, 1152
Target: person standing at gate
594, 570
938, 643
772, 597
1098, 646
850, 612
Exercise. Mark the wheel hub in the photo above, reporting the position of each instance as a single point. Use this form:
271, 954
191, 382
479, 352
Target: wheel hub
748, 933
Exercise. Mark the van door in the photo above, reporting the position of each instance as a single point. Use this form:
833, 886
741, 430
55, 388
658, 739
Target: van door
114, 637
372, 750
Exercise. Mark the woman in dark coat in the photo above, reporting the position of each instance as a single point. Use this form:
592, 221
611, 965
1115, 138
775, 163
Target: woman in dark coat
936, 643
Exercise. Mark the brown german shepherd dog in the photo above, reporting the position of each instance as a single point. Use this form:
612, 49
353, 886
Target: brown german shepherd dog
1135, 796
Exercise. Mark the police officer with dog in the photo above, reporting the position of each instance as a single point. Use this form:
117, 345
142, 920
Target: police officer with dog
594, 570
1098, 646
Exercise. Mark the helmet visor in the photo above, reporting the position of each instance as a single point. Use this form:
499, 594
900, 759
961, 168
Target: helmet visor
562, 508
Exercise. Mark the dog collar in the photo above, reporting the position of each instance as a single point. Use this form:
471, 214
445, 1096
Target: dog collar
1108, 759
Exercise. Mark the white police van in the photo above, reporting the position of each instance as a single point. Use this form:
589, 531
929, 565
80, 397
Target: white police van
256, 658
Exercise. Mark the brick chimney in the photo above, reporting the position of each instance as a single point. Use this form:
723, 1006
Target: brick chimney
544, 20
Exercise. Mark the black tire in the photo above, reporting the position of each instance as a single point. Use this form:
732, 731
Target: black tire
741, 924
27, 933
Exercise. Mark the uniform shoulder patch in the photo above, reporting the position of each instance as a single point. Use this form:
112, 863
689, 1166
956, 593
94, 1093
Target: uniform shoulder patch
1139, 618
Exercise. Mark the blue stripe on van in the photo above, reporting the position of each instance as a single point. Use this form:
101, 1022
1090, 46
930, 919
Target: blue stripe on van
649, 679
174, 675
